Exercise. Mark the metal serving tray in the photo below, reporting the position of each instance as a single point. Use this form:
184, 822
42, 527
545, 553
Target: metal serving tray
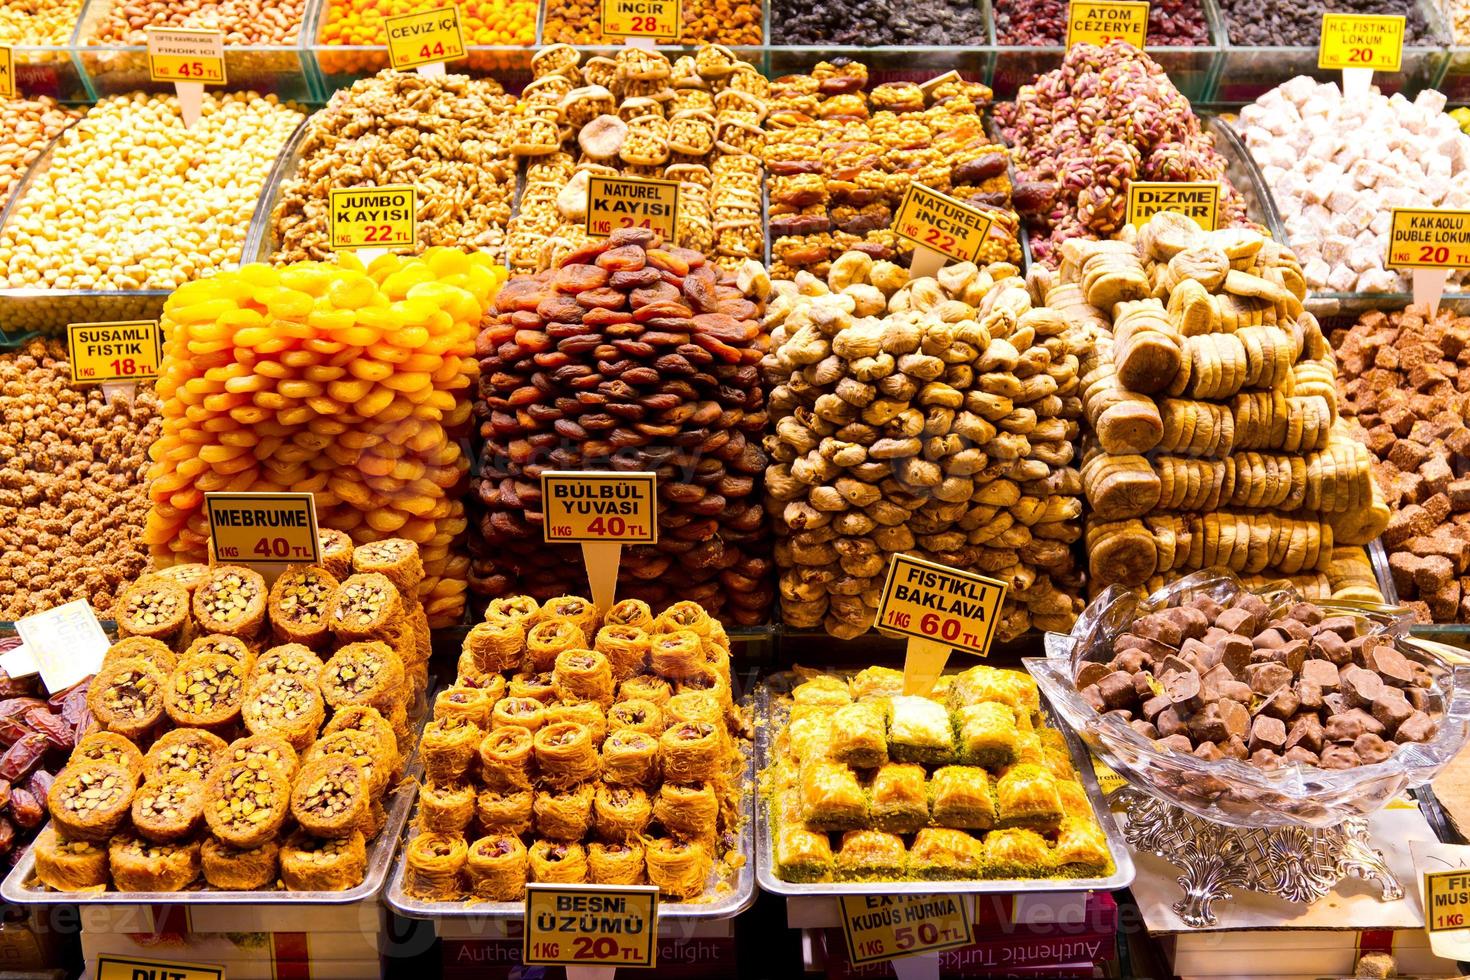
22, 890
739, 897
765, 733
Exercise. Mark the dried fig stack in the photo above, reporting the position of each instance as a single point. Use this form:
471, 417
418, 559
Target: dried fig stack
1210, 395
933, 417
629, 355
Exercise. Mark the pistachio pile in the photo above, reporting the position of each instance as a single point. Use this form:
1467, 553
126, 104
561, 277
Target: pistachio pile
929, 416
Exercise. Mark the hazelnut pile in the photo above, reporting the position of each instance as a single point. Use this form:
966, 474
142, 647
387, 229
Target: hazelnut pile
638, 356
1211, 395
841, 158
73, 496
933, 417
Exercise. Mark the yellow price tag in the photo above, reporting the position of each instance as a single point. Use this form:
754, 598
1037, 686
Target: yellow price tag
632, 202
591, 925
883, 927
935, 221
1361, 41
424, 37
119, 350
1446, 900
111, 967
373, 217
263, 528
1429, 238
1199, 200
925, 600
658, 19
8, 86
186, 54
582, 507
1100, 21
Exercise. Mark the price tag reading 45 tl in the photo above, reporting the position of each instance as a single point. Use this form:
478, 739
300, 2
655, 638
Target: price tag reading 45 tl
601, 512
268, 529
884, 927
614, 203
657, 20
424, 37
607, 926
121, 351
186, 54
937, 608
1100, 21
1361, 41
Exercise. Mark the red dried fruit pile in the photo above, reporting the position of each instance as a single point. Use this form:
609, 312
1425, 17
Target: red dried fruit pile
632, 356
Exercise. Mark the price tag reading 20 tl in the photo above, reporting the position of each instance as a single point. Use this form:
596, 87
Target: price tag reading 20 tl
1429, 239
884, 927
186, 54
632, 202
585, 507
123, 350
373, 217
1361, 41
424, 37
656, 19
1100, 21
929, 219
263, 528
585, 925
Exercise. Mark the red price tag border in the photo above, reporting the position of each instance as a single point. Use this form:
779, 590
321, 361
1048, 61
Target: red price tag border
650, 960
1325, 64
677, 19
201, 32
672, 239
1389, 261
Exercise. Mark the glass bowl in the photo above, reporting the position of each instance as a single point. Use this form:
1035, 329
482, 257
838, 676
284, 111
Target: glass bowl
1230, 791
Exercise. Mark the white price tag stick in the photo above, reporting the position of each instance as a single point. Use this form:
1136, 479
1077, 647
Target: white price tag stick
1357, 83
435, 70
926, 263
191, 101
920, 966
602, 559
590, 972
1429, 287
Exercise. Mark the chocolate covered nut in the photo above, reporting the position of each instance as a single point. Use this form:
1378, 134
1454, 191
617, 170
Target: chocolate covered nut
1348, 725
1309, 696
1339, 757
1267, 733
1267, 678
1235, 653
1117, 690
1344, 626
1093, 696
1237, 691
1370, 748
1091, 672
1305, 612
1320, 673
1182, 688
1329, 646
1392, 666
1170, 722
1157, 626
1132, 659
1283, 704
1268, 639
1265, 759
1236, 718
1155, 706
1176, 743
1301, 756
1145, 685
1391, 708
1234, 748
1291, 653
1418, 727
1202, 656
1208, 723
1144, 728
1176, 664
1361, 686
1306, 731
1208, 751
1237, 620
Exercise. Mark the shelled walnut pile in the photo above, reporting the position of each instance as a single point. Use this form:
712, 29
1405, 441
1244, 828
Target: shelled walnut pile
72, 495
932, 417
841, 157
448, 137
1212, 405
1404, 388
696, 121
629, 355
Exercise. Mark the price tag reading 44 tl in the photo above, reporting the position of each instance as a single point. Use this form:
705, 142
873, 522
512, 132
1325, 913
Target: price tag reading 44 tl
1200, 201
373, 217
1100, 21
272, 529
7, 73
186, 54
655, 19
934, 221
1361, 41
424, 37
591, 925
883, 927
632, 202
937, 608
124, 350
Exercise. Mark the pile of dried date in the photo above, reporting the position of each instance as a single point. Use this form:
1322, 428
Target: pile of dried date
38, 734
1233, 680
630, 355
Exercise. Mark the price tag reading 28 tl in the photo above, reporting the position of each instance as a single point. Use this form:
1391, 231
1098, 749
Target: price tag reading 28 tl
656, 19
424, 37
186, 54
123, 350
937, 608
373, 217
1361, 41
1100, 21
632, 202
591, 925
884, 927
932, 220
273, 529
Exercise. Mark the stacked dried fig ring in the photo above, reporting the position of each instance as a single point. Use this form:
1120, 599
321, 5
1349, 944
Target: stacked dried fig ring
630, 355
